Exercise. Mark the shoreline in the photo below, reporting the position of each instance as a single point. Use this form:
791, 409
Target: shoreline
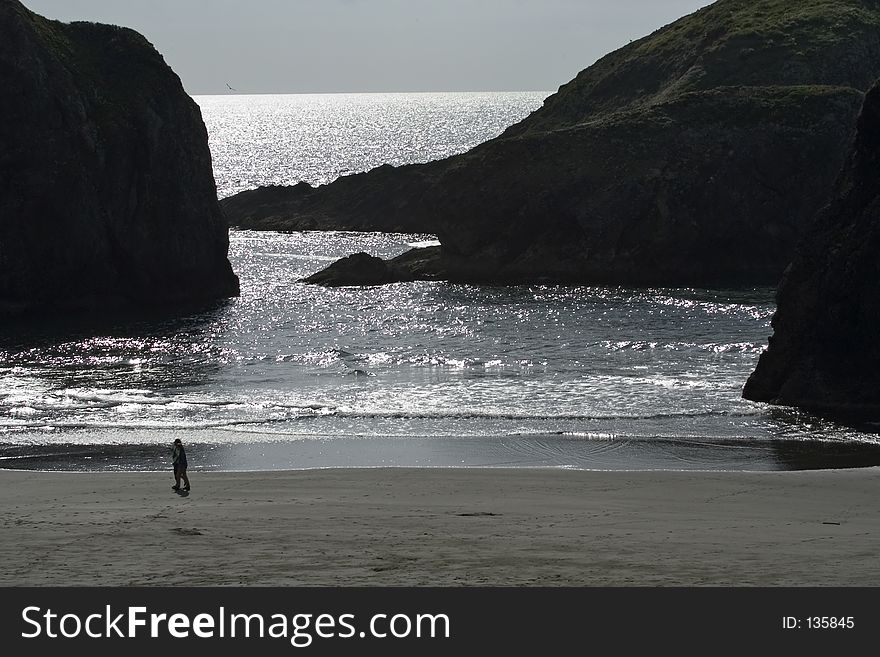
442, 468
519, 451
442, 527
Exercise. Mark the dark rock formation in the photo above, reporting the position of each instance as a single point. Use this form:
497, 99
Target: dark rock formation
387, 200
364, 269
356, 269
694, 156
825, 353
107, 196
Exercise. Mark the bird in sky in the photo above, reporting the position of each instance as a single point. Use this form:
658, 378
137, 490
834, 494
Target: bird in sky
228, 87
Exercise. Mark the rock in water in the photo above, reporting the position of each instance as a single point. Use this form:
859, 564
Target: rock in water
365, 270
695, 156
107, 195
356, 269
824, 355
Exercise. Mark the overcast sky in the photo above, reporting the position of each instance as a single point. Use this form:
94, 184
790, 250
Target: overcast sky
299, 46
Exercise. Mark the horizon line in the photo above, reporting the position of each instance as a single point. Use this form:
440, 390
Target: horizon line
329, 93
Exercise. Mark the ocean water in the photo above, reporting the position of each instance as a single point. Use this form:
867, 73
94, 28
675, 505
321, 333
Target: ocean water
316, 138
418, 374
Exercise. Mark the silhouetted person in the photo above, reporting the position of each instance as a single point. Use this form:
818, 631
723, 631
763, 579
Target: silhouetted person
178, 460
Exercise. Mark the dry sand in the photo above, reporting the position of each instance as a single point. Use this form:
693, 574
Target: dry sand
442, 527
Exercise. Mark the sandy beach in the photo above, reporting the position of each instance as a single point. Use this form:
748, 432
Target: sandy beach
442, 527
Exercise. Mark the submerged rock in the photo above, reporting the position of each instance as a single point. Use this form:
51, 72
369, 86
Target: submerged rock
824, 355
107, 195
362, 269
694, 156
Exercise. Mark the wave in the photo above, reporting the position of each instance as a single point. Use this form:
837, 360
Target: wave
711, 347
510, 415
306, 412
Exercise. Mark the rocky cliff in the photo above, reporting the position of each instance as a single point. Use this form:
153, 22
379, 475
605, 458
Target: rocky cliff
825, 354
107, 195
694, 156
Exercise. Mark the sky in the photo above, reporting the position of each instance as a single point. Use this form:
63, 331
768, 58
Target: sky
322, 46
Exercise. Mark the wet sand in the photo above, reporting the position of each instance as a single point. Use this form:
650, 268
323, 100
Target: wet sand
442, 527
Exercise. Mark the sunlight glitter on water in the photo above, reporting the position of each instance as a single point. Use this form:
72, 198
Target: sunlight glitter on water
428, 374
285, 139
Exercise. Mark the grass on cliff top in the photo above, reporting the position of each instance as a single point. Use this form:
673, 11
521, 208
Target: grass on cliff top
729, 43
116, 70
106, 57
50, 32
784, 19
729, 106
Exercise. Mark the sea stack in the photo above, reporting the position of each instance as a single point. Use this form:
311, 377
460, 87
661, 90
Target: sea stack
824, 355
696, 156
107, 194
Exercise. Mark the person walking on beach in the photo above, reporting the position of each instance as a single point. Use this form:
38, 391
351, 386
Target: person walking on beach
178, 460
